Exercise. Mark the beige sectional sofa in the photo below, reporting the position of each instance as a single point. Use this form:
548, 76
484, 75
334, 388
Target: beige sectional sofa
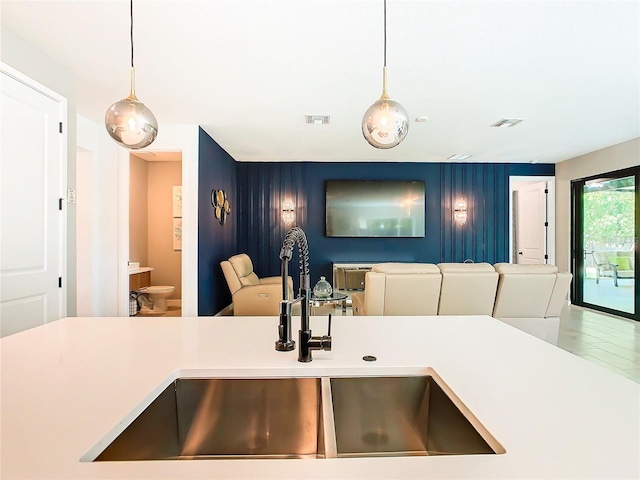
528, 297
399, 289
531, 297
467, 289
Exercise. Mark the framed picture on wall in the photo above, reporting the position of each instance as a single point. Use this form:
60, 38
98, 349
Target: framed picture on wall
177, 201
177, 233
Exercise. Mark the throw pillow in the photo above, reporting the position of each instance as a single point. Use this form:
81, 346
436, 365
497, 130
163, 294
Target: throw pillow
621, 262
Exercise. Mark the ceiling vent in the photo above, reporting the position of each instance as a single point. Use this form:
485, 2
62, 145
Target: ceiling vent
459, 157
317, 119
508, 122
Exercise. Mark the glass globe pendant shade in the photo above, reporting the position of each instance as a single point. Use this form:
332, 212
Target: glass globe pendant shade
385, 123
130, 123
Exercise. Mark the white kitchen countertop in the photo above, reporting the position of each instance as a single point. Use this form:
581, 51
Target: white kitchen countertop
66, 385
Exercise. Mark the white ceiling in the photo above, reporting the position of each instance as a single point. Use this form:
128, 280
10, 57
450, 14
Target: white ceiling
248, 71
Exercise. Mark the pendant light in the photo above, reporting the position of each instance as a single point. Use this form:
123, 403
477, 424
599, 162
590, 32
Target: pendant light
129, 122
385, 123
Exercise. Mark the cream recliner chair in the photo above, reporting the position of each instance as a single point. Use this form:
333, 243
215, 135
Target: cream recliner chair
467, 288
399, 289
252, 296
531, 297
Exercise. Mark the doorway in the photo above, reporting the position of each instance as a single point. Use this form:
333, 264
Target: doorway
155, 222
532, 220
605, 242
33, 214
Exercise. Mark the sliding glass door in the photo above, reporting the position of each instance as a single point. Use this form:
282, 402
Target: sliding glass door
605, 242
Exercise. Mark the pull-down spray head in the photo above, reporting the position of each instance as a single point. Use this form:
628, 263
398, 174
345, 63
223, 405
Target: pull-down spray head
307, 342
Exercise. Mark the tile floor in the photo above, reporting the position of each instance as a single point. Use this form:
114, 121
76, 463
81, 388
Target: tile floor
609, 341
171, 312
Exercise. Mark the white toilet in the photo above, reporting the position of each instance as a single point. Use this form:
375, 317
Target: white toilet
154, 298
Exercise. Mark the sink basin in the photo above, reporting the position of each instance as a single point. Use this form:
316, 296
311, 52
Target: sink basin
196, 418
400, 416
328, 417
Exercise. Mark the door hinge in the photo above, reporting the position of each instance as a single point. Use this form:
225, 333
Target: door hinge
546, 224
60, 127
59, 282
546, 190
546, 257
60, 204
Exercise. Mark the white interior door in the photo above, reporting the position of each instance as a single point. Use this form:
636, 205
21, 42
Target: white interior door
32, 237
531, 223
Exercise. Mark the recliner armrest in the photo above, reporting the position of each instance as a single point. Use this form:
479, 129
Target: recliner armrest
269, 280
357, 303
278, 281
258, 300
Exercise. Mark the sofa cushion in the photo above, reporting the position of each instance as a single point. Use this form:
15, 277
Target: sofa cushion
466, 267
520, 268
467, 289
411, 268
243, 267
524, 291
559, 294
411, 293
523, 296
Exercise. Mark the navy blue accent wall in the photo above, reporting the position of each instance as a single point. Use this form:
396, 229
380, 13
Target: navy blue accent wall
256, 191
217, 170
262, 186
485, 187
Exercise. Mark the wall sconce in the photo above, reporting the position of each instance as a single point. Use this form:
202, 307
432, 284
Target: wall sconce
460, 211
288, 212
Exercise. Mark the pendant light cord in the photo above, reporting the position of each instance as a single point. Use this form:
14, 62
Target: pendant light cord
132, 95
131, 32
384, 68
385, 33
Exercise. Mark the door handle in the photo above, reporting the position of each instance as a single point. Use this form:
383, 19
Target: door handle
519, 253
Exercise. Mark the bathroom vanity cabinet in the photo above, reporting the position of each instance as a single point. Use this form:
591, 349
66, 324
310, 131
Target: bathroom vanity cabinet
139, 280
139, 277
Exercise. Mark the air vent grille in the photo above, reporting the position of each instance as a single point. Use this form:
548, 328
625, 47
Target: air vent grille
508, 122
317, 119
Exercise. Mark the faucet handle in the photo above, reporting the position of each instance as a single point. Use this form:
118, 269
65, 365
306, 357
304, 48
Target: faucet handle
325, 341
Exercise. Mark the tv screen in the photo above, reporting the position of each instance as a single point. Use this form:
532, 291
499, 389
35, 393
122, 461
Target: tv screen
374, 208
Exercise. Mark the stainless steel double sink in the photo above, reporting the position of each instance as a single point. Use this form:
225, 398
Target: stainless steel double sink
326, 417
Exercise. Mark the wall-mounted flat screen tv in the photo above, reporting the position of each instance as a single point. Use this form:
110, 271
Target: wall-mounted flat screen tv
375, 208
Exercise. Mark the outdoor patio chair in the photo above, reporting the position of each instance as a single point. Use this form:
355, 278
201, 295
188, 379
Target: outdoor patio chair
615, 264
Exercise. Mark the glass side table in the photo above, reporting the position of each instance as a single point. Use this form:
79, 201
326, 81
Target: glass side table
315, 302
